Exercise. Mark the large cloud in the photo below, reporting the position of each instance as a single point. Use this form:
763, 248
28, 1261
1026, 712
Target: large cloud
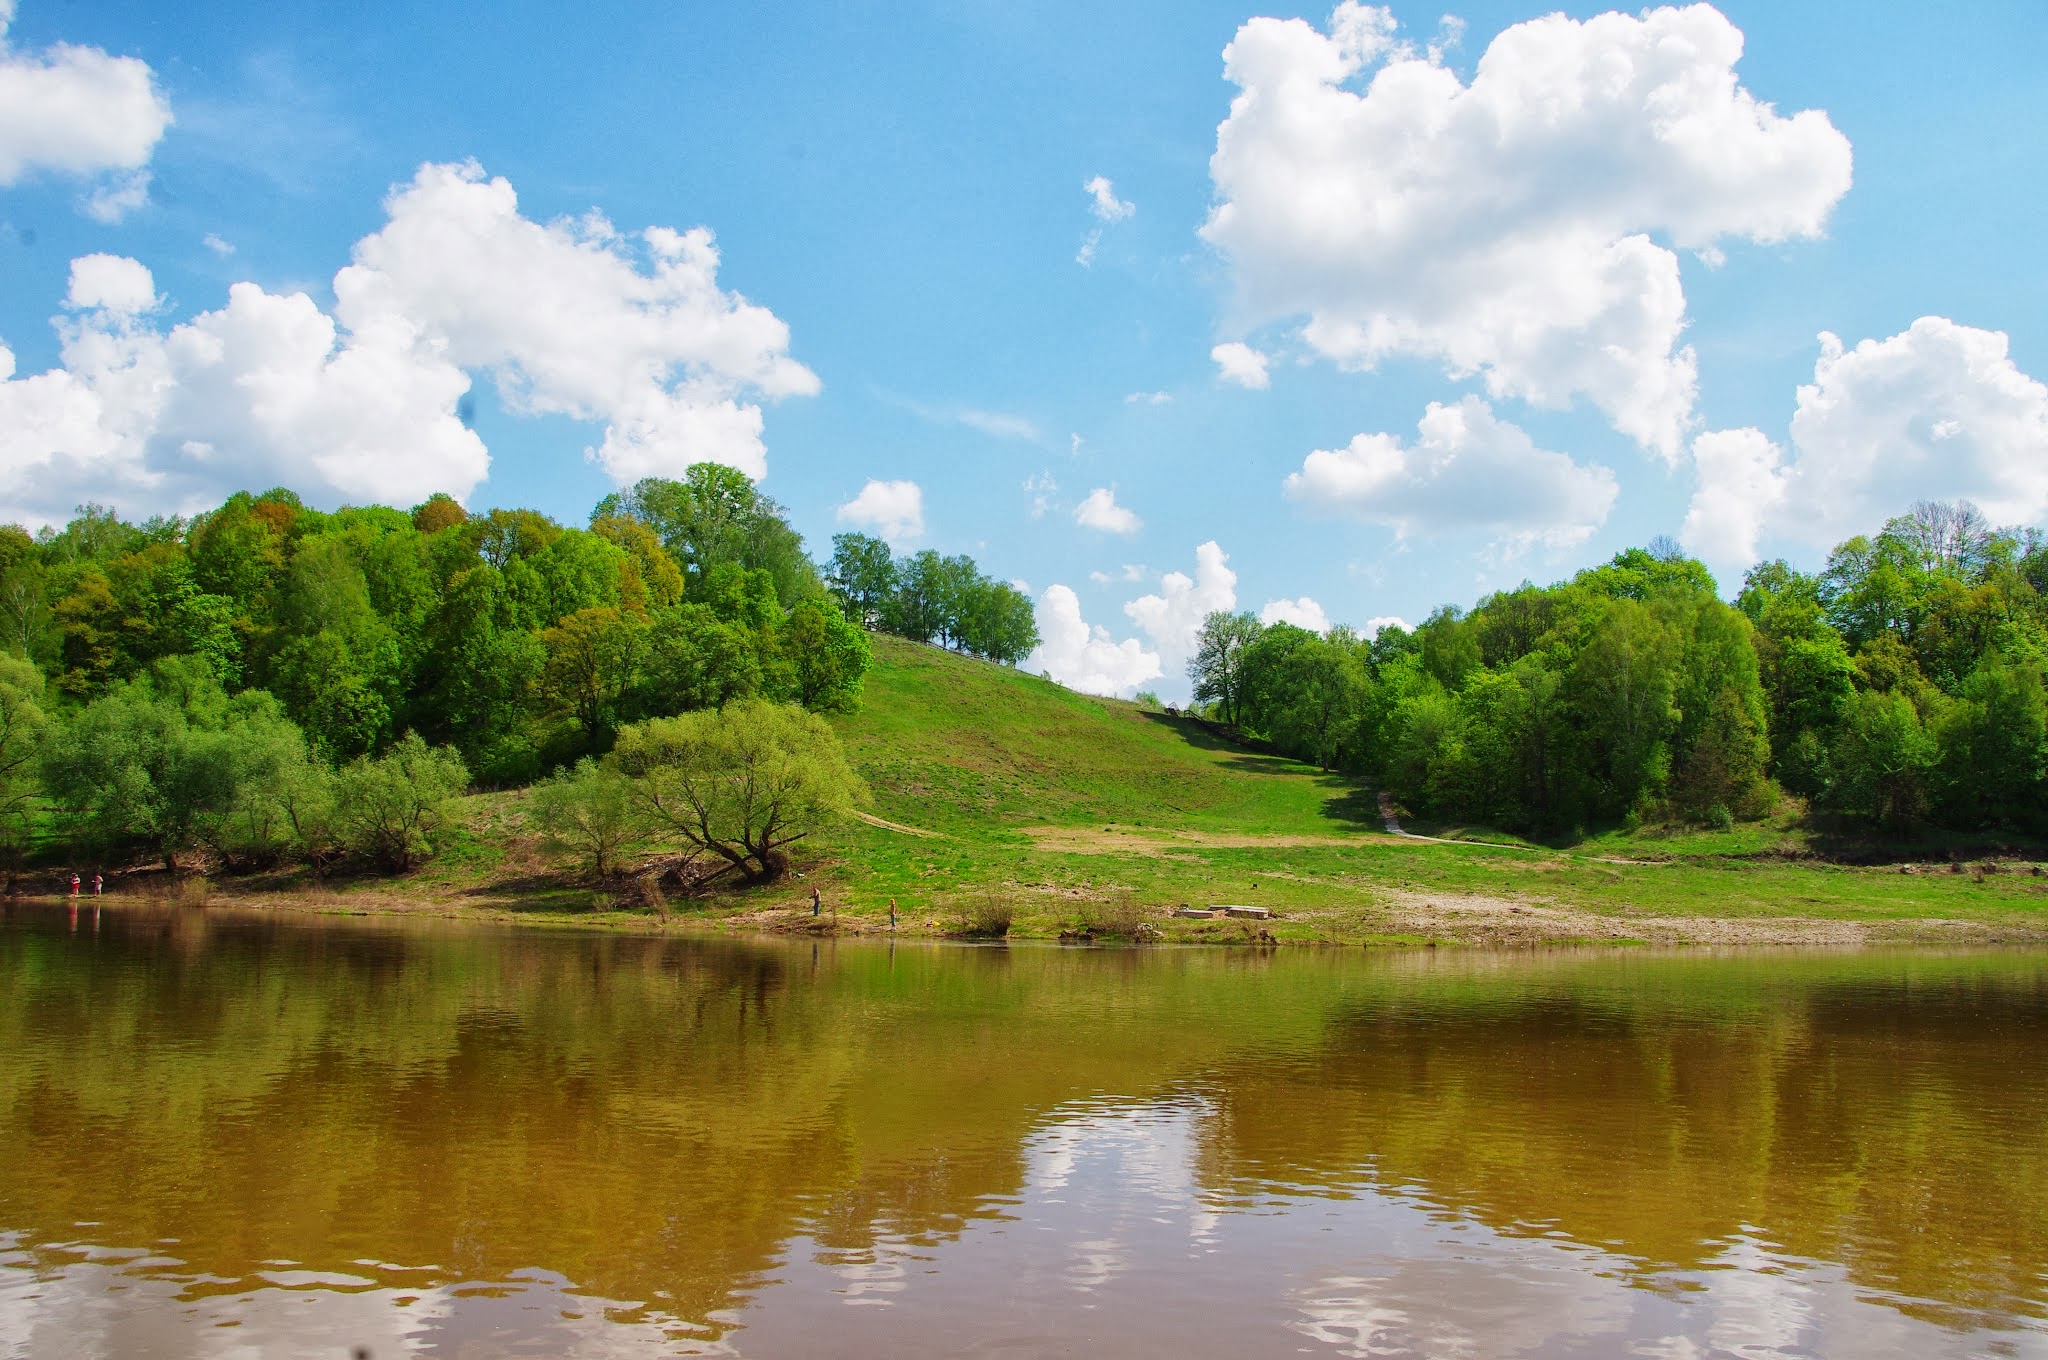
893, 510
262, 391
1936, 412
1083, 657
78, 111
362, 404
1505, 228
569, 322
1172, 619
1468, 471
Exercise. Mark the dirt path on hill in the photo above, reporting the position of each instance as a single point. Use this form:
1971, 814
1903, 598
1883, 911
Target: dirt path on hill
888, 825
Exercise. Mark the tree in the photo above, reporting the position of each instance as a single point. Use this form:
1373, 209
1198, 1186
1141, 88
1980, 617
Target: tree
827, 655
1881, 759
390, 809
1218, 664
170, 761
713, 515
862, 576
1992, 744
268, 782
23, 729
743, 783
692, 659
999, 622
921, 606
592, 811
591, 655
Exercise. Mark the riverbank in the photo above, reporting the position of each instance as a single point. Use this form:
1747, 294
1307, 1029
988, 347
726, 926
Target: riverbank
1000, 798
1113, 884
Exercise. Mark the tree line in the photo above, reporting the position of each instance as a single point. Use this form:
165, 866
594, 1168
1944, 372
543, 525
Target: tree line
267, 679
1902, 684
929, 598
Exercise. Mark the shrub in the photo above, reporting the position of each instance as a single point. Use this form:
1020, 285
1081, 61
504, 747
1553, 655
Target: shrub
991, 915
389, 809
591, 811
1120, 918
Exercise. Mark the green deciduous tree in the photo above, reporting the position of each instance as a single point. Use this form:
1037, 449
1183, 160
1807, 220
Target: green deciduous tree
742, 783
390, 809
862, 576
825, 655
24, 726
1217, 669
591, 811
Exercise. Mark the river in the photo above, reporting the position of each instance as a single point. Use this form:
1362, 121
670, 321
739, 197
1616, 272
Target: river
239, 1135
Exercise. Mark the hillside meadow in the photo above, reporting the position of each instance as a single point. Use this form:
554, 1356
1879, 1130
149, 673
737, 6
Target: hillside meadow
996, 794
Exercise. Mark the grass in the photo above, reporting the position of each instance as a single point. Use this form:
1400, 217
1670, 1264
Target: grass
1018, 808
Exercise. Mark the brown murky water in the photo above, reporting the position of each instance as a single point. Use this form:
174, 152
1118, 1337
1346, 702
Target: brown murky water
228, 1136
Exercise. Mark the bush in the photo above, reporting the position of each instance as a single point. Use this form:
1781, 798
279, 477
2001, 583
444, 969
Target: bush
1120, 918
389, 809
991, 915
591, 811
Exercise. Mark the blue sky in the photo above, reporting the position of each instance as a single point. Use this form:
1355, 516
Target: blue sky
1526, 293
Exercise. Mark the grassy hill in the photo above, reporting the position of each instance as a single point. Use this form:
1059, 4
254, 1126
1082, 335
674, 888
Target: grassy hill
1070, 808
999, 792
968, 747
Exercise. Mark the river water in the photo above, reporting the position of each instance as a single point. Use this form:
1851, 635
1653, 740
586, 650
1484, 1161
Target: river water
226, 1135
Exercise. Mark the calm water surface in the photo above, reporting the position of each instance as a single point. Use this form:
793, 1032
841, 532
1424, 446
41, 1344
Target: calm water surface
234, 1136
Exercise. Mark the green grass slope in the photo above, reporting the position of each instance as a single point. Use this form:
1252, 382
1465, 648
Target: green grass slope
1003, 784
966, 747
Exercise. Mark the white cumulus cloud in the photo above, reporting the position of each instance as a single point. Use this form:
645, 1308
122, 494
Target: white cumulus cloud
1936, 412
892, 510
1099, 510
1083, 657
1241, 364
569, 318
78, 111
1302, 613
1468, 470
1521, 227
1740, 483
1374, 624
115, 283
572, 318
1172, 619
265, 390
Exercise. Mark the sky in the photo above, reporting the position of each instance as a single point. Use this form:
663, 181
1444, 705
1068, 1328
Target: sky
1335, 315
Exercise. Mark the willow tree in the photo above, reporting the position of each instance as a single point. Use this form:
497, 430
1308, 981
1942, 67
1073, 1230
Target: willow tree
742, 783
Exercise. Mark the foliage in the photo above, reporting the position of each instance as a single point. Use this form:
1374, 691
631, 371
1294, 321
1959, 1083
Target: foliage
590, 810
390, 808
743, 782
24, 726
1218, 666
171, 762
931, 598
